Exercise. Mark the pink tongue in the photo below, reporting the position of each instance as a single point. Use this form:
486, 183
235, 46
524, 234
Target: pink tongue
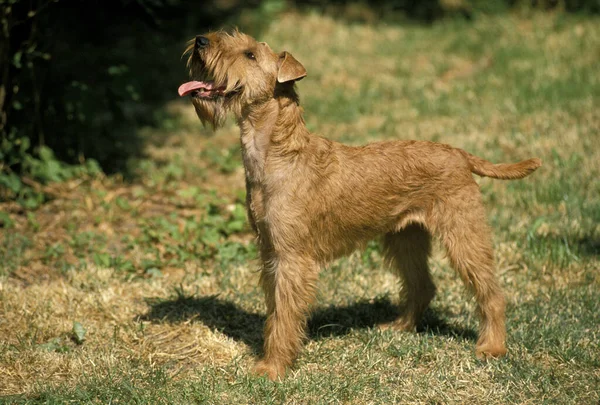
187, 88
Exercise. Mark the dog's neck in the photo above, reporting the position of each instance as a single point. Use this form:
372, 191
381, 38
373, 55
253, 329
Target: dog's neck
274, 127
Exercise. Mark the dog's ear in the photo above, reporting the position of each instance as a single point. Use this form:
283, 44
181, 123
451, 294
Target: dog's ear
289, 68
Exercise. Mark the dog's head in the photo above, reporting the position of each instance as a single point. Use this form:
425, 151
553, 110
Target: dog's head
231, 70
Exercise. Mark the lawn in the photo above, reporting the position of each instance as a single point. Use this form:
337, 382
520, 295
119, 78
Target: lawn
145, 290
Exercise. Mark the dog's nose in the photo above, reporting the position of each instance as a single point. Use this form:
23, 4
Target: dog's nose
201, 41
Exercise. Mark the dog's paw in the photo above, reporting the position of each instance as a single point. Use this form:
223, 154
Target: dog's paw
271, 371
400, 324
488, 351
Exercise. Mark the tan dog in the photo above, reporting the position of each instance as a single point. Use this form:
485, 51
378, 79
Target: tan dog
311, 200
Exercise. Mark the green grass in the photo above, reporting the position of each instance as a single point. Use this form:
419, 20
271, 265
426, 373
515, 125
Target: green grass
160, 270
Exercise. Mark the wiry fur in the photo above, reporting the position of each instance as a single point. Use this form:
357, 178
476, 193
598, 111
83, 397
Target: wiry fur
311, 200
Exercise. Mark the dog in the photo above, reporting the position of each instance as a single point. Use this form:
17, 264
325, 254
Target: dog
311, 200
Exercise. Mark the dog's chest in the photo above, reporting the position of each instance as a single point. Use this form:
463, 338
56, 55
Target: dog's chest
254, 151
253, 156
253, 162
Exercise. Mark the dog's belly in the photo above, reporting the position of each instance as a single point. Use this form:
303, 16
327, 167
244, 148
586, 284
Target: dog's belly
326, 231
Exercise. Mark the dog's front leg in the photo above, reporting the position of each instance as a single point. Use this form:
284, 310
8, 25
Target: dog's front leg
290, 288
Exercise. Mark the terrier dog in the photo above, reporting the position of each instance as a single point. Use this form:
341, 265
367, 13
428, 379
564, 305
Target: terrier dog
311, 200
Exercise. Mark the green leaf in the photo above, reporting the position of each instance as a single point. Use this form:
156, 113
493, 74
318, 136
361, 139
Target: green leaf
154, 272
11, 181
78, 332
46, 154
5, 221
101, 259
17, 59
211, 237
235, 226
24, 144
31, 199
148, 264
54, 345
117, 70
190, 192
231, 251
123, 203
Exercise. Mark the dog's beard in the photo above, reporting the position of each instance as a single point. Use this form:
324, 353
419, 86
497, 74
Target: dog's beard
213, 112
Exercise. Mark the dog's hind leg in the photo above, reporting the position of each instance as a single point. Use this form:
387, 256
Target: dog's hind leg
466, 236
407, 252
290, 289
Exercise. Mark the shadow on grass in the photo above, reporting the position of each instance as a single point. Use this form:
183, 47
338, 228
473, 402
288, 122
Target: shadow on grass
331, 321
588, 245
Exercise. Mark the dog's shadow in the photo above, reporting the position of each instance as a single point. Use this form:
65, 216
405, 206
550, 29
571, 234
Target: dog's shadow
334, 320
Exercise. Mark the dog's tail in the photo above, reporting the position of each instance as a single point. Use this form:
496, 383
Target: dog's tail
503, 171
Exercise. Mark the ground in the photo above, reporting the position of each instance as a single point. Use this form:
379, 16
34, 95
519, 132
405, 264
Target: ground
145, 289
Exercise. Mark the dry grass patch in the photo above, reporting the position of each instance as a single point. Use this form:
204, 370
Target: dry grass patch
39, 347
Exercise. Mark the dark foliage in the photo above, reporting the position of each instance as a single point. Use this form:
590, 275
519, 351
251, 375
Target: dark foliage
81, 76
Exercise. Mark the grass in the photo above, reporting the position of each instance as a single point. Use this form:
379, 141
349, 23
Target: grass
160, 272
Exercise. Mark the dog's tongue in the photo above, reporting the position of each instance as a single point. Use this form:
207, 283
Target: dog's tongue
187, 88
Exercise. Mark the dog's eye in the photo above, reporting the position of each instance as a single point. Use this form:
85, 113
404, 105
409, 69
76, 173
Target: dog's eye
250, 55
